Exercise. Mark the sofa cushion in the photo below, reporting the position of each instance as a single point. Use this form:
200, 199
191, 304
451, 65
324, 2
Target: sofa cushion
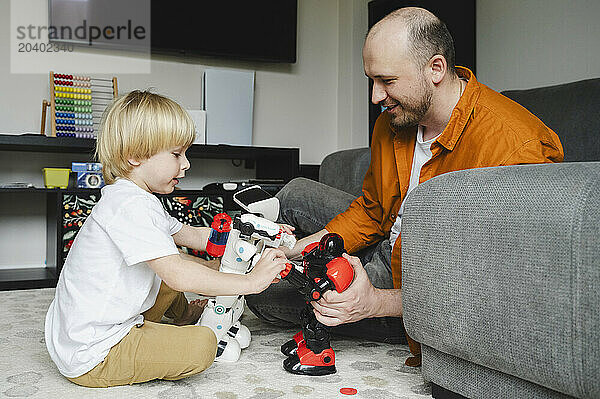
346, 169
571, 110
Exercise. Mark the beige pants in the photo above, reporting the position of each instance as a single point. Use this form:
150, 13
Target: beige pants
154, 350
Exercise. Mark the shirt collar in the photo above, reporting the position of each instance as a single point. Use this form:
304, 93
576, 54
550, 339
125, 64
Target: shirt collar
462, 112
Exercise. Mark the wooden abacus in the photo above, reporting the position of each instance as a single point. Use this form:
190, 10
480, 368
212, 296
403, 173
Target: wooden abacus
76, 104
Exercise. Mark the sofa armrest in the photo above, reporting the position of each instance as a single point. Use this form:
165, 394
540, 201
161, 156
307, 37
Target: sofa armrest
346, 169
501, 267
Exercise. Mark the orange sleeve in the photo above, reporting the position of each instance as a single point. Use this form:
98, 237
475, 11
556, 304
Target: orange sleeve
360, 225
537, 151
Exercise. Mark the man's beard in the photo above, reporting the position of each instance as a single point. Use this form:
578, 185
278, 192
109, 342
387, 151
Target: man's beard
410, 114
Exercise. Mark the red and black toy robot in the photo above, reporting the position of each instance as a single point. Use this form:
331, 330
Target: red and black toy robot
309, 352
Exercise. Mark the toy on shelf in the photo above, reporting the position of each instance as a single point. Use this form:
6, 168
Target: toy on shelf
89, 174
323, 269
56, 177
240, 242
76, 104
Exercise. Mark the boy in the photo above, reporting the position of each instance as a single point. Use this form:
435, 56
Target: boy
124, 272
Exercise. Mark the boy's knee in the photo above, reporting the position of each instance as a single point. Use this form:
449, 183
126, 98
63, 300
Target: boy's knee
204, 348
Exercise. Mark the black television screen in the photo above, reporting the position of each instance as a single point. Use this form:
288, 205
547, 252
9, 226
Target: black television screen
261, 30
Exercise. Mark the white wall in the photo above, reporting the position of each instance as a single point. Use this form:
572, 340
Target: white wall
317, 104
530, 43
296, 105
353, 97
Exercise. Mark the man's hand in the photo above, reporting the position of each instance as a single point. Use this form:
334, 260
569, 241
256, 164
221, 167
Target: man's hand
359, 301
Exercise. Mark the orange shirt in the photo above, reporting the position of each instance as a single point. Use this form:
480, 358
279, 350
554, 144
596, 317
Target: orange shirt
485, 129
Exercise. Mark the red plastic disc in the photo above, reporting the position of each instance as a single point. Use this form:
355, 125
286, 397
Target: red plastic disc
348, 391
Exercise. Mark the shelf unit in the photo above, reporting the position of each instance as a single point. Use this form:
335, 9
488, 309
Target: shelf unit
277, 164
270, 162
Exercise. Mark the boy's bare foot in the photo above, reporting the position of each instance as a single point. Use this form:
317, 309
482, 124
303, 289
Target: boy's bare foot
192, 313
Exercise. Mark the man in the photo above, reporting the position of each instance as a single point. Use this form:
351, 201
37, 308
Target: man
438, 119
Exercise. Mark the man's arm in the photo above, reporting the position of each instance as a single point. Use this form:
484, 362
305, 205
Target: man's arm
534, 152
359, 301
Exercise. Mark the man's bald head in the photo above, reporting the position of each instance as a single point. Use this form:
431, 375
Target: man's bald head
424, 35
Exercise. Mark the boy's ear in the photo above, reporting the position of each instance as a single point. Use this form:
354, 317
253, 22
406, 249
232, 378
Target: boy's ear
133, 162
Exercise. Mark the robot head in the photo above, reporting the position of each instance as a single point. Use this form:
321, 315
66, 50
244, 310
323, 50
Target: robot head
330, 247
332, 244
256, 200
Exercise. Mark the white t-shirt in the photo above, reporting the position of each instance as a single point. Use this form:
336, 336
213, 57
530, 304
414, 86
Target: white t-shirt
422, 155
105, 284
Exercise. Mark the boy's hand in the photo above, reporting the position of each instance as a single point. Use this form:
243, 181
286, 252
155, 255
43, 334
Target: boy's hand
287, 228
267, 270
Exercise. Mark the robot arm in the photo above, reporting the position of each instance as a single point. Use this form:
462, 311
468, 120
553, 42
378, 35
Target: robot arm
258, 228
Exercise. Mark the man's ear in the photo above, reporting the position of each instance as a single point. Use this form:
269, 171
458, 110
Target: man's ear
133, 162
438, 68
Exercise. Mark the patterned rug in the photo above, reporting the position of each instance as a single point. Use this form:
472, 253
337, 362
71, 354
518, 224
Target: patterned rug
375, 370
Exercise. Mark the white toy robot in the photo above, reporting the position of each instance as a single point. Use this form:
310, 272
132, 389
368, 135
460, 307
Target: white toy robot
241, 243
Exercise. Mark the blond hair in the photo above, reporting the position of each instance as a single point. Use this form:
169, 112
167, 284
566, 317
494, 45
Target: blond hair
138, 126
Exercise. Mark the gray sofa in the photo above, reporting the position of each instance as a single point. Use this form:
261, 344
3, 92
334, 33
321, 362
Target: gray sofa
501, 266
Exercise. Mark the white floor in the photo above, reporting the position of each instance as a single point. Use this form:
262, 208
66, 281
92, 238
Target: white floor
376, 370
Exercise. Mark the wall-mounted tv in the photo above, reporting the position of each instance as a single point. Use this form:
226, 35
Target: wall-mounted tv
259, 30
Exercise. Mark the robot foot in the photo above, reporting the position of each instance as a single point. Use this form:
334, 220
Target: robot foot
292, 365
289, 348
241, 334
228, 350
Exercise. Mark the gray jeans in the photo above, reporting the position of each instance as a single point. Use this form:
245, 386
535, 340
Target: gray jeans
309, 206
